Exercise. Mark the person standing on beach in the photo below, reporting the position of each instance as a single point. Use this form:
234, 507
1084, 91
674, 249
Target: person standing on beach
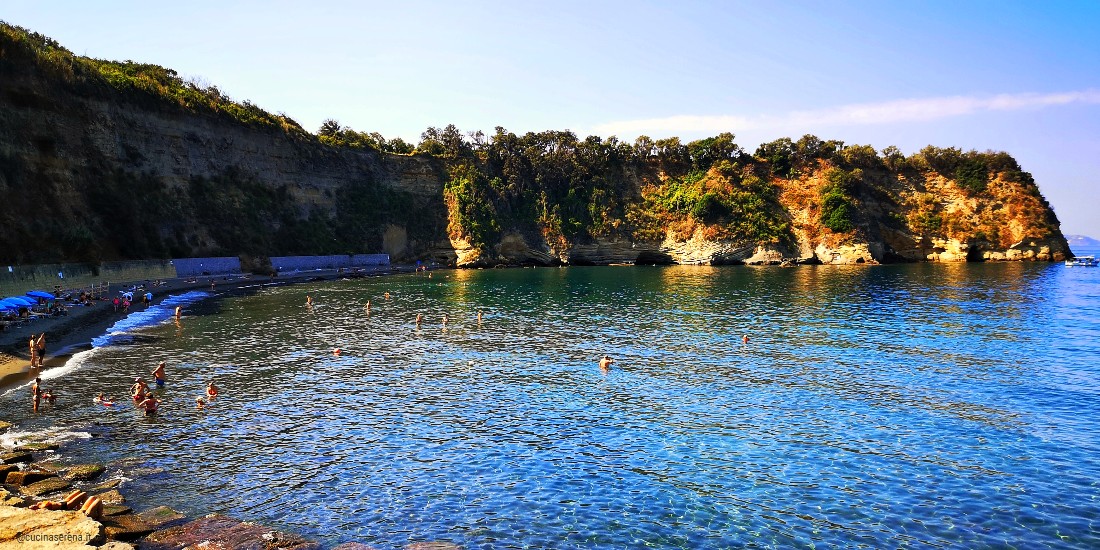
36, 391
40, 348
158, 375
179, 311
33, 351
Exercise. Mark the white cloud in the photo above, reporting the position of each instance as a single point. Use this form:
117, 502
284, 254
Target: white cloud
888, 112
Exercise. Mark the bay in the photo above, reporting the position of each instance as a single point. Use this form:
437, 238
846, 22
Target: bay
924, 405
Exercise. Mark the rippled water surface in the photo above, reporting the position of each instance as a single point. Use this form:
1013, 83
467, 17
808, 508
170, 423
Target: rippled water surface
891, 406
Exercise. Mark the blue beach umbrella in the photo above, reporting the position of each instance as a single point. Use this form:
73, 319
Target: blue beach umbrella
12, 302
22, 300
41, 294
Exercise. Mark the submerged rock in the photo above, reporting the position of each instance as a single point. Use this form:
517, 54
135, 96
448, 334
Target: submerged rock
107, 485
353, 546
224, 533
36, 447
435, 545
4, 426
111, 497
162, 517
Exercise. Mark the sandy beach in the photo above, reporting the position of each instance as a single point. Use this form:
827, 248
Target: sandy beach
71, 333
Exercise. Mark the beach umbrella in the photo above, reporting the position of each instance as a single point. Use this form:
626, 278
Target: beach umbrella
41, 294
13, 301
23, 301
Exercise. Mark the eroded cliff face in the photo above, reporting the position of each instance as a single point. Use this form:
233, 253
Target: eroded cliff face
100, 176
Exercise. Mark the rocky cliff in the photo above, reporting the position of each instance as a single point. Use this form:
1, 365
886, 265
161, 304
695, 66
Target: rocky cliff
103, 161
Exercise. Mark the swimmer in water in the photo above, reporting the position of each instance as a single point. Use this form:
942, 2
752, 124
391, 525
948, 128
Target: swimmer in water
367, 307
150, 405
444, 320
211, 390
745, 339
387, 295
606, 362
200, 403
309, 301
479, 316
138, 390
36, 392
158, 375
419, 319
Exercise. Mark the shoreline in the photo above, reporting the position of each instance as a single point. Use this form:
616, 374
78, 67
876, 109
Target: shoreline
69, 334
119, 526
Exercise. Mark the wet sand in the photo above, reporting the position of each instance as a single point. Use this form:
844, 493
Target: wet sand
69, 334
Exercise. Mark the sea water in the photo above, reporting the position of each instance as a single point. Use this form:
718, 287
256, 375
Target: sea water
923, 405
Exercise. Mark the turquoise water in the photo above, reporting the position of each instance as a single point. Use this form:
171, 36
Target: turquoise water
915, 406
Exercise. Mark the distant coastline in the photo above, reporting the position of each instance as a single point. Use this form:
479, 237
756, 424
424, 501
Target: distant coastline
1082, 241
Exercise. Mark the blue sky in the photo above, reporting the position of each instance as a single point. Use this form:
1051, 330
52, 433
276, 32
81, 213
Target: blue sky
1022, 77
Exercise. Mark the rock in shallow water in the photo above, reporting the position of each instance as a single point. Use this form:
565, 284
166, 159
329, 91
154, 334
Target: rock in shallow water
84, 472
14, 457
44, 487
27, 477
224, 533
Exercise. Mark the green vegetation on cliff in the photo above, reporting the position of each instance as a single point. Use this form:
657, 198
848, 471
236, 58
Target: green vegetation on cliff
143, 83
129, 200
